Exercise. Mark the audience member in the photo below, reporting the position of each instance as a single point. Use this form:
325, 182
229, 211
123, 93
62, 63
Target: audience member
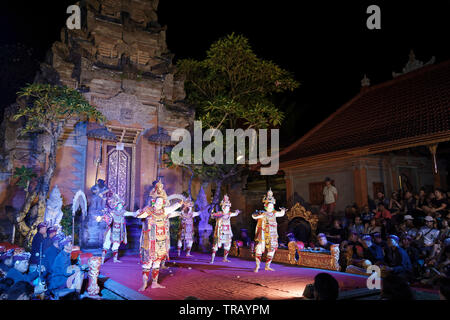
371, 251
366, 214
336, 233
38, 244
357, 226
372, 227
326, 287
382, 212
396, 258
323, 242
20, 270
6, 261
61, 272
394, 287
427, 236
381, 199
330, 196
20, 290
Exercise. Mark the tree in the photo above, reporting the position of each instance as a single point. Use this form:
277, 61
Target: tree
47, 110
232, 88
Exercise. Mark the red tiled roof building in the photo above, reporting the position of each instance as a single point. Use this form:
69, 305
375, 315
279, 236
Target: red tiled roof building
409, 111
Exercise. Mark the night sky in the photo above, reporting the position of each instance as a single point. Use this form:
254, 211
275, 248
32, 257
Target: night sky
326, 45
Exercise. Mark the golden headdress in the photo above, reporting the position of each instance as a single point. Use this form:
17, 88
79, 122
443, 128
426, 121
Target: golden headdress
113, 199
188, 202
226, 201
269, 198
158, 191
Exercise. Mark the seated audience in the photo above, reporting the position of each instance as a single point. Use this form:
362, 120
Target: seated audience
427, 236
5, 284
396, 259
410, 229
20, 290
20, 270
395, 203
371, 251
381, 199
357, 226
367, 214
372, 227
382, 212
6, 261
38, 245
336, 233
438, 205
409, 204
323, 242
51, 253
62, 269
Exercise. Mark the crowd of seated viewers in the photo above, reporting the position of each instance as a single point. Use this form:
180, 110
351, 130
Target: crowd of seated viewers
46, 272
407, 236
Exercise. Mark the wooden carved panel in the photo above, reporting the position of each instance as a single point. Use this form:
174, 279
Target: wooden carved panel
119, 172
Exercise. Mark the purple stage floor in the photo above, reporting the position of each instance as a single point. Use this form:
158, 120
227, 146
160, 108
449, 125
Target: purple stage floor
222, 281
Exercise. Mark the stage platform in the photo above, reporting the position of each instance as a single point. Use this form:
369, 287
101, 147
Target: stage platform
236, 280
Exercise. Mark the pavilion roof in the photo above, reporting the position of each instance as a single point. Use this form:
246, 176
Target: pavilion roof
411, 110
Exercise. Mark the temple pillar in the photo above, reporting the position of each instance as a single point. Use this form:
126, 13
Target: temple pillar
437, 177
360, 184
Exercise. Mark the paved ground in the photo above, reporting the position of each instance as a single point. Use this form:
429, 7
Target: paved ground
222, 281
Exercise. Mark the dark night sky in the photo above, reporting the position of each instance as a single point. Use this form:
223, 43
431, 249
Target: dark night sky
326, 45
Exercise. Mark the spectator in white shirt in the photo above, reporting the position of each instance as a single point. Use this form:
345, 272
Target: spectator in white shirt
428, 234
410, 230
330, 196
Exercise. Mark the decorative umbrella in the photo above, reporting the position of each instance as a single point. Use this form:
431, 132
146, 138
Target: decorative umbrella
103, 134
160, 139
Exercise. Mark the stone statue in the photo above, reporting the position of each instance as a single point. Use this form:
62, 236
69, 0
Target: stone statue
93, 232
53, 212
98, 199
94, 270
204, 228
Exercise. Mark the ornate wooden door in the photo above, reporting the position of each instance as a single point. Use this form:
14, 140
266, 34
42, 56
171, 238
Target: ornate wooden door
119, 172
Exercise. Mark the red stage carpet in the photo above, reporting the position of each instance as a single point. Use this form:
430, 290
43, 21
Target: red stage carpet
222, 281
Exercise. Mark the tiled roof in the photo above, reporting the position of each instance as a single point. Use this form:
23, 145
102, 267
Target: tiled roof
412, 106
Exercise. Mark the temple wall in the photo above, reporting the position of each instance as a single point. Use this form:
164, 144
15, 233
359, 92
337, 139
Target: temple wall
383, 168
341, 172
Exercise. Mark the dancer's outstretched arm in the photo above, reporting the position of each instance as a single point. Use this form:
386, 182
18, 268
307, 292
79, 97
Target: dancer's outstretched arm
258, 215
280, 213
171, 211
234, 214
174, 214
173, 207
216, 215
141, 213
106, 217
195, 214
131, 213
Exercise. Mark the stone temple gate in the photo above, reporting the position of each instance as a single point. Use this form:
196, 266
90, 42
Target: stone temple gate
119, 60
